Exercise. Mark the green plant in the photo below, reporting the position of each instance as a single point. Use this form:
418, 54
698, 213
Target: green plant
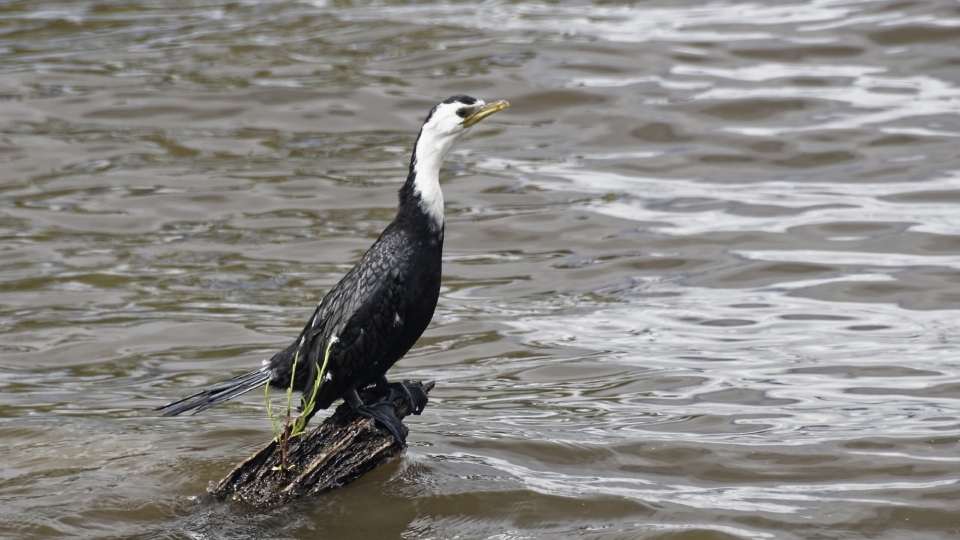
283, 429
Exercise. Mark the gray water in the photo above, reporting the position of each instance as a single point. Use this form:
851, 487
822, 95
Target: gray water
701, 280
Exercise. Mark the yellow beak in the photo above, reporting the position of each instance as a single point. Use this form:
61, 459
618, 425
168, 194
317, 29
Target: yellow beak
484, 112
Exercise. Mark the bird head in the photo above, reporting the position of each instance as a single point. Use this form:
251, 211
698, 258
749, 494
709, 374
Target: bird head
456, 114
444, 126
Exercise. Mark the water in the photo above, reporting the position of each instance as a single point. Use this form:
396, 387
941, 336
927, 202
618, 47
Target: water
701, 280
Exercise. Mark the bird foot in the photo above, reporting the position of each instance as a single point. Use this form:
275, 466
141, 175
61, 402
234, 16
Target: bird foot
414, 395
385, 414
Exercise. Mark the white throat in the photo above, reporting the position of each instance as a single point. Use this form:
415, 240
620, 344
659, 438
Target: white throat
431, 150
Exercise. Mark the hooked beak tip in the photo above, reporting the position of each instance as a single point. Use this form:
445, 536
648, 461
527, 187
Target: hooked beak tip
484, 112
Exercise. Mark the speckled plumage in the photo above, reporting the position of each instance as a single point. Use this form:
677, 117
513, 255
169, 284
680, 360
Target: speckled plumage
376, 312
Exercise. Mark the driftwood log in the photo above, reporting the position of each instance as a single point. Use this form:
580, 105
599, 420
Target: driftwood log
338, 451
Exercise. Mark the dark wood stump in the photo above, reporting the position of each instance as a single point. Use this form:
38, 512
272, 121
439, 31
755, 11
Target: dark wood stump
338, 451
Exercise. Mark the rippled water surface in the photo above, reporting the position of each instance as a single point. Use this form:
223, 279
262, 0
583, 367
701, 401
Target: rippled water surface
702, 280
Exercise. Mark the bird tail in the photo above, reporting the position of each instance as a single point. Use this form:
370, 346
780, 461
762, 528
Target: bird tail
217, 394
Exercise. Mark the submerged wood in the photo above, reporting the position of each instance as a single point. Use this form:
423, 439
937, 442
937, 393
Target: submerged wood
338, 451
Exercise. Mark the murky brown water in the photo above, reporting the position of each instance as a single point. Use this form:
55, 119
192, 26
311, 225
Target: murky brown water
702, 280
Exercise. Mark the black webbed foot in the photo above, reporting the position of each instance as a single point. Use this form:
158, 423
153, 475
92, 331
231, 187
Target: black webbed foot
414, 395
385, 414
382, 412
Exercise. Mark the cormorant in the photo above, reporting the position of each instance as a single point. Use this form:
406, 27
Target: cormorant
372, 317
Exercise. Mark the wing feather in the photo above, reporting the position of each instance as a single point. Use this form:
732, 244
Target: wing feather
362, 313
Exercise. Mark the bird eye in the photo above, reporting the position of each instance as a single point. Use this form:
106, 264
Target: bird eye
462, 112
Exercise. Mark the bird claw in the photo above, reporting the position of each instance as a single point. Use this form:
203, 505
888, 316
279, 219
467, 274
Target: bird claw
413, 395
385, 413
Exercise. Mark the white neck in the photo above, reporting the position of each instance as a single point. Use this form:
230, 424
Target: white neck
430, 151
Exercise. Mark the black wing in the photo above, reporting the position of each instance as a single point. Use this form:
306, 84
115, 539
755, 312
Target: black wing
365, 313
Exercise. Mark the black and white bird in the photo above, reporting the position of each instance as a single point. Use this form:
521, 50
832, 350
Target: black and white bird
372, 317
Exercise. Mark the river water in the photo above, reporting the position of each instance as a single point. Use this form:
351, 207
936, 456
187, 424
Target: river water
701, 280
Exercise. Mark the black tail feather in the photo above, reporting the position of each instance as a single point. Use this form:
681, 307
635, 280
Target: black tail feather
217, 394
